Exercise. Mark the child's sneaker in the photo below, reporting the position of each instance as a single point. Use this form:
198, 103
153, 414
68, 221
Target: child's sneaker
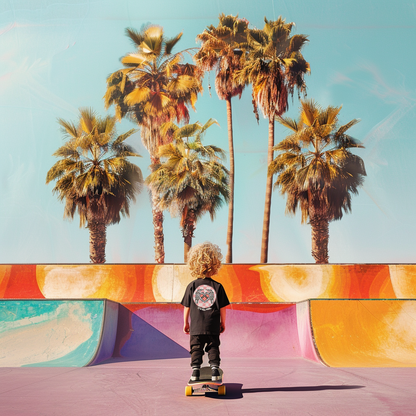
195, 374
215, 374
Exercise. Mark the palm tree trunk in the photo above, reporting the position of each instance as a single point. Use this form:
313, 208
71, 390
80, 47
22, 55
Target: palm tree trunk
320, 238
229, 256
157, 214
98, 239
188, 233
158, 229
318, 219
268, 201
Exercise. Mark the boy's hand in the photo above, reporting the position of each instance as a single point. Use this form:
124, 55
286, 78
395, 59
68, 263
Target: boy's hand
222, 327
186, 320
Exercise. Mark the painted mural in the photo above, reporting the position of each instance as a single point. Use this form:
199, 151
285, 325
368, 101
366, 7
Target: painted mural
243, 282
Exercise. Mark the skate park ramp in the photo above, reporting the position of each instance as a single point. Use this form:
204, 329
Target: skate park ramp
365, 333
336, 333
337, 315
56, 333
149, 331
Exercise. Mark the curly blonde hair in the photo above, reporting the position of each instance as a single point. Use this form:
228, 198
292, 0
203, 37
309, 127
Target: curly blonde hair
204, 260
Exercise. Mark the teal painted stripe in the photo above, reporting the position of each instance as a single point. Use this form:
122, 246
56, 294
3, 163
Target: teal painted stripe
50, 332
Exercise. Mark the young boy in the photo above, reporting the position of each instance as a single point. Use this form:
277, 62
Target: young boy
204, 302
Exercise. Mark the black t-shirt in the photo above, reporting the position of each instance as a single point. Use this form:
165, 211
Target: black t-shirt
205, 298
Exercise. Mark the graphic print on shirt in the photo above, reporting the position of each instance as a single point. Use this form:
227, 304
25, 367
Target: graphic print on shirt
204, 297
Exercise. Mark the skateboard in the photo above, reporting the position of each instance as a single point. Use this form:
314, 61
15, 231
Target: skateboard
205, 384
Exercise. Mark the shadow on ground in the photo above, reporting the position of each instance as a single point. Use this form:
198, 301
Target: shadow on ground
236, 391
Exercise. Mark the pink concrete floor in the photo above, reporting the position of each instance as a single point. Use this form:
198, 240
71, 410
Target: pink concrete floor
255, 386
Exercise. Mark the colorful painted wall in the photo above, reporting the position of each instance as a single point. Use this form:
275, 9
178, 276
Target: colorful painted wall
243, 282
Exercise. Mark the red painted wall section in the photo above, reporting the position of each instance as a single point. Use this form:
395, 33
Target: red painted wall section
19, 281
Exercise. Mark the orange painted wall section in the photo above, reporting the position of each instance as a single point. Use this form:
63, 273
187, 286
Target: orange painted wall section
243, 282
365, 333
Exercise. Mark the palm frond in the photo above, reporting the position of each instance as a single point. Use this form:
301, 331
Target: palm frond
297, 42
288, 122
346, 127
87, 119
120, 139
208, 124
310, 112
183, 84
170, 43
153, 41
188, 130
133, 59
68, 128
135, 36
348, 142
68, 150
138, 95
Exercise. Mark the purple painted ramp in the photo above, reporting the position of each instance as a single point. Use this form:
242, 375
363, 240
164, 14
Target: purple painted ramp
261, 330
147, 332
154, 331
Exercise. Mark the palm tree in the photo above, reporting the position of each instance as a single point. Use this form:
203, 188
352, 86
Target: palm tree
317, 171
221, 49
94, 176
191, 179
154, 87
275, 67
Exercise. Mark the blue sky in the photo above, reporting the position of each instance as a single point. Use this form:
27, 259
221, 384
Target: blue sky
55, 57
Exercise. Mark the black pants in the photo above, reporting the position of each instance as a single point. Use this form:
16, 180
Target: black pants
212, 348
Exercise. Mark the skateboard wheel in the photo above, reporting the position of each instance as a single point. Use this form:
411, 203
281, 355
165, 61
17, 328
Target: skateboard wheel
221, 390
188, 391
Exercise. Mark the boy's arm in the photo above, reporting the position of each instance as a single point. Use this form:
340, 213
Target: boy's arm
186, 320
223, 315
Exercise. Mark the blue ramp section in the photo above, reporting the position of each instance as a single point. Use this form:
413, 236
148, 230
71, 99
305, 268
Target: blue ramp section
60, 333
